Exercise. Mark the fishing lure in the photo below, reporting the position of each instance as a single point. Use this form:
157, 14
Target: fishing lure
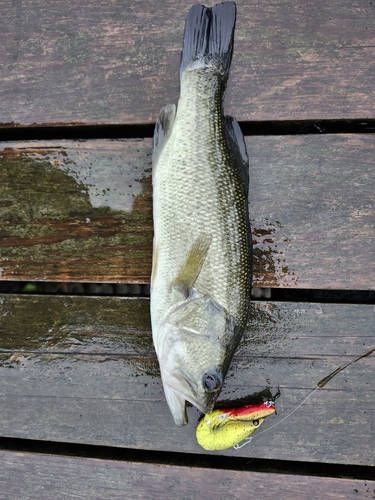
224, 428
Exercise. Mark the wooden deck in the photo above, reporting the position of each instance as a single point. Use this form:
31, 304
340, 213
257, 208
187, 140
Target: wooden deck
82, 410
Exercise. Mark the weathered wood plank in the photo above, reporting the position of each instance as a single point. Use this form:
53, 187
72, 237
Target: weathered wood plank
81, 211
70, 207
95, 62
83, 369
26, 475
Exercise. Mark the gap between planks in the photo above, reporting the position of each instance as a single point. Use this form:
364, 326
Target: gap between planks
26, 475
124, 131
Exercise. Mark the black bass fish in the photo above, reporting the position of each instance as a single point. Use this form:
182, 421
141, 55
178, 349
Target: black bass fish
201, 272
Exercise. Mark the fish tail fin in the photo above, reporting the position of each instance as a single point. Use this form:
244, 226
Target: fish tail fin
208, 38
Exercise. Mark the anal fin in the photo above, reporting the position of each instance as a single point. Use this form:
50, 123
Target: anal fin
163, 130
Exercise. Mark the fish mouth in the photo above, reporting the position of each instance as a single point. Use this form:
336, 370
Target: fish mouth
180, 388
206, 402
204, 407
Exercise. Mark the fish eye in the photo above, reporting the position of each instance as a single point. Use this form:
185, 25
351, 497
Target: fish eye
256, 423
211, 382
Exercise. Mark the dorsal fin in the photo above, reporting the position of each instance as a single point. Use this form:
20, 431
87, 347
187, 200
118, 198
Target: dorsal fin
236, 143
162, 132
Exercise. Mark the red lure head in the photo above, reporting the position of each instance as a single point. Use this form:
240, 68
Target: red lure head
250, 412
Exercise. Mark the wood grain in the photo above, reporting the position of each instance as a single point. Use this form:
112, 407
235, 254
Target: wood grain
82, 211
110, 62
76, 211
83, 370
26, 475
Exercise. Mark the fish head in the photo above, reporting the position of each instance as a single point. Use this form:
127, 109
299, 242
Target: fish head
194, 355
191, 374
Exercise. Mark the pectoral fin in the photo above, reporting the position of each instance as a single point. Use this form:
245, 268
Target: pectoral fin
193, 265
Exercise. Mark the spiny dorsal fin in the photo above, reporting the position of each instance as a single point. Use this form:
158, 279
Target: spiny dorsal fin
194, 262
163, 129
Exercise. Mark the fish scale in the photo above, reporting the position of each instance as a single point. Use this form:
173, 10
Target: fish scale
201, 279
196, 196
